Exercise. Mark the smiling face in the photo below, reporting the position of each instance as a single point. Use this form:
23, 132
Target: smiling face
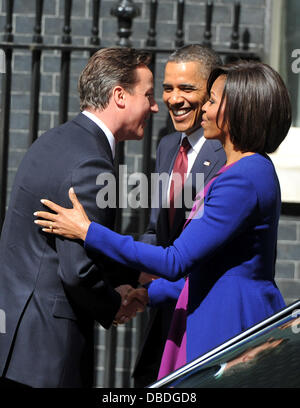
184, 94
139, 103
212, 129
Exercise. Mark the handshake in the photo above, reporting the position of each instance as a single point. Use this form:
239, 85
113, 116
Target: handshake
133, 301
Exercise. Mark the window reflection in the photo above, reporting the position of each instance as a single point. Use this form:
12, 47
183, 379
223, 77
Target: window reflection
268, 360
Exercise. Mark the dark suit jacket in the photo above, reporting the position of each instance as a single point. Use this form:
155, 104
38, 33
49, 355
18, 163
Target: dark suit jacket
52, 290
159, 233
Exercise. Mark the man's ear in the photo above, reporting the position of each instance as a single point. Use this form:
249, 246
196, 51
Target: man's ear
119, 96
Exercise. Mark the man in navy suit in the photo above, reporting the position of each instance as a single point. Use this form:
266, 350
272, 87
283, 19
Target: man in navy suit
52, 290
184, 93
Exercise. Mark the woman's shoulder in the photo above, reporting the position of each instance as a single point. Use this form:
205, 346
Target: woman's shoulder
253, 161
253, 174
255, 167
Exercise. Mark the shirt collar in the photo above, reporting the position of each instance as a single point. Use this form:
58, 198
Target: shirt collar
110, 137
196, 139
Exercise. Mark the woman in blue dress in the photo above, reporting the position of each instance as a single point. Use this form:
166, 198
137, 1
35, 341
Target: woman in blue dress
228, 253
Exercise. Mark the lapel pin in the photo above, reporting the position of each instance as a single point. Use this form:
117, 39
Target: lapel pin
206, 163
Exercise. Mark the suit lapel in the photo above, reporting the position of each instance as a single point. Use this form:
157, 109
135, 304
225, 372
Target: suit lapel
90, 126
209, 160
169, 159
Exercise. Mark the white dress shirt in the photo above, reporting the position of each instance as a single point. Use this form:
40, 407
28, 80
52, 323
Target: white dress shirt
196, 142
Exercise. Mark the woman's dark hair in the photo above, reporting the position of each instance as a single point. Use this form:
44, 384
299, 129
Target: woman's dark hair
257, 109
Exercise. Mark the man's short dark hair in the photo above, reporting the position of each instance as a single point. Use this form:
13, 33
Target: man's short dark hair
207, 58
106, 69
257, 105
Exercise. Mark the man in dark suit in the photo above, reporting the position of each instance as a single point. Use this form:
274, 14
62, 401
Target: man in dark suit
52, 290
184, 93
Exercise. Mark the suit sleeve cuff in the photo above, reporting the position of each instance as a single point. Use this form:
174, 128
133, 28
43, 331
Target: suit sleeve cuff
90, 236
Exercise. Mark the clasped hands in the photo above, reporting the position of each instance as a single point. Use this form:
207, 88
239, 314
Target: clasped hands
133, 301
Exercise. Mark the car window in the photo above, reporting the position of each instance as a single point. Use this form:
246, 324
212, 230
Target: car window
270, 358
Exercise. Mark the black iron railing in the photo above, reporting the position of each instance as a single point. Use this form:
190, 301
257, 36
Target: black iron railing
125, 11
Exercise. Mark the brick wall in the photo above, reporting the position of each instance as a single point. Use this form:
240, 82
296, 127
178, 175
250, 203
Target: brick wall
252, 17
288, 258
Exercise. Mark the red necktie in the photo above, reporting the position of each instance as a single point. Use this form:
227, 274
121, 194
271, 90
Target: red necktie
180, 168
